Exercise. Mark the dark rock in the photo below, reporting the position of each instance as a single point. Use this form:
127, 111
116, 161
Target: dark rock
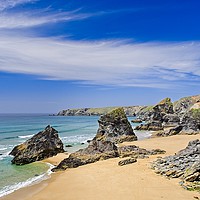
136, 121
151, 126
42, 145
136, 152
82, 143
127, 161
68, 145
184, 104
97, 150
185, 164
115, 127
191, 122
171, 120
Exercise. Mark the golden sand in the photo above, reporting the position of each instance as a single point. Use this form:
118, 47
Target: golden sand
105, 180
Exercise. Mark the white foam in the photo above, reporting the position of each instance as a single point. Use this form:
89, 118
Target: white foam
31, 181
77, 138
2, 149
25, 136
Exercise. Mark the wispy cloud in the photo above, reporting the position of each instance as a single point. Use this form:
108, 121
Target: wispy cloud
31, 19
112, 63
7, 4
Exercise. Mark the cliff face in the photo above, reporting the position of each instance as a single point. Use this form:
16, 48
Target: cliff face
129, 110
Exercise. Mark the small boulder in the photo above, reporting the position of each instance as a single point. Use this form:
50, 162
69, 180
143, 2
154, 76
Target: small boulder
127, 161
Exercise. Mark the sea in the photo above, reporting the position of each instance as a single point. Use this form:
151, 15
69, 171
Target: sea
17, 128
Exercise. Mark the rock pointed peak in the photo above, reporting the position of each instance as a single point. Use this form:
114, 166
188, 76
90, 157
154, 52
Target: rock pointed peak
165, 101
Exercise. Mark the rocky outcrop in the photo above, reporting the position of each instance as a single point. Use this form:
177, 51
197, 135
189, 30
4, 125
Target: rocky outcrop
185, 104
158, 115
185, 164
42, 145
115, 127
191, 122
97, 150
129, 110
137, 152
127, 161
150, 126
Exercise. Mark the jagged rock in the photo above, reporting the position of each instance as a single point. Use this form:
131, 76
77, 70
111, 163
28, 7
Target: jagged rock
185, 164
156, 116
151, 126
115, 127
127, 161
42, 145
171, 120
136, 152
184, 104
97, 150
191, 122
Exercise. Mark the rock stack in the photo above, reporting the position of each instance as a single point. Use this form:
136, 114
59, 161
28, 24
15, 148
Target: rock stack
42, 145
115, 127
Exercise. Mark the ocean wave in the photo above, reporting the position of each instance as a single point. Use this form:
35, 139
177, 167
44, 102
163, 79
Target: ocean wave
77, 138
31, 181
25, 136
2, 149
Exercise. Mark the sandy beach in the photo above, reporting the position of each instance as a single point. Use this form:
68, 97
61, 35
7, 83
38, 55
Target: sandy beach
107, 180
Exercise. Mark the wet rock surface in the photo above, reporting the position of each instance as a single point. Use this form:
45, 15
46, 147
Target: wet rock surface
42, 145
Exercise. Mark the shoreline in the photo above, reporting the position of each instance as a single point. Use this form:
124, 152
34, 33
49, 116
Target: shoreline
135, 181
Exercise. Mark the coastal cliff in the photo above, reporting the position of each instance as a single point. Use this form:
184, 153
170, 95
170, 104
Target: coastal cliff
129, 110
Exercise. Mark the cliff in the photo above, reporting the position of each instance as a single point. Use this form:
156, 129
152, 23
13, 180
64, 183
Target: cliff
129, 110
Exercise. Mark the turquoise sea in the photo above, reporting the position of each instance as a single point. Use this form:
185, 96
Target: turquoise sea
17, 128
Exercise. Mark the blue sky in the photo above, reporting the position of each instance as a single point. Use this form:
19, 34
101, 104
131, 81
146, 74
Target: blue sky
64, 54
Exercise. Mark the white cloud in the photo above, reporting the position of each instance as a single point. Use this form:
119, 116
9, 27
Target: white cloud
118, 63
7, 4
31, 19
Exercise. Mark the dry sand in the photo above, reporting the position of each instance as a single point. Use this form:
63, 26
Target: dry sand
105, 180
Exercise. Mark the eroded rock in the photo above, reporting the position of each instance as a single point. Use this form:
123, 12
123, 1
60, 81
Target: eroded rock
42, 145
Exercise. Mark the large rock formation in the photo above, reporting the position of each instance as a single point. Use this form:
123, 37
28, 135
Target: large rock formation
183, 105
42, 145
114, 126
185, 164
97, 150
156, 115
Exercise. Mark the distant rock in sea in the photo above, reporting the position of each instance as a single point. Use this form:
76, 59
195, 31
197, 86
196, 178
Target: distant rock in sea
42, 145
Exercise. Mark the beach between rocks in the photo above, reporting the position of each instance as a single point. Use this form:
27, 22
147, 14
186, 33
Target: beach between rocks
106, 180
